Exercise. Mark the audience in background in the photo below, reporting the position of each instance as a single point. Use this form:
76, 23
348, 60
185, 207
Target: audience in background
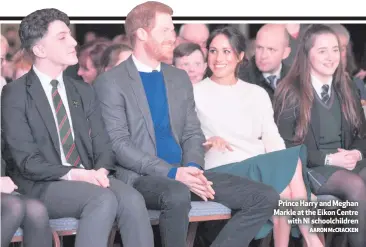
90, 59
121, 39
3, 50
195, 33
189, 57
348, 58
89, 37
22, 63
113, 56
266, 68
295, 31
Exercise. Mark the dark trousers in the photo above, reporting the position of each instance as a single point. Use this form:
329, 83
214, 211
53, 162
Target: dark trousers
252, 204
98, 208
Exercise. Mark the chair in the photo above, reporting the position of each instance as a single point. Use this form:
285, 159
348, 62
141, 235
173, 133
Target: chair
18, 237
200, 212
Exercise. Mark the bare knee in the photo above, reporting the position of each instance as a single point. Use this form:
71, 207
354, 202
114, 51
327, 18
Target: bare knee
286, 193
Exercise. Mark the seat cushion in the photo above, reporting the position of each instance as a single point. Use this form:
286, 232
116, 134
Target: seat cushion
200, 208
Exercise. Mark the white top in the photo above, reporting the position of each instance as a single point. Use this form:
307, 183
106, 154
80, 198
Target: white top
47, 87
242, 114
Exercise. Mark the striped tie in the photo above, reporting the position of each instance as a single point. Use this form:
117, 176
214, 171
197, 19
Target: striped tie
325, 93
68, 144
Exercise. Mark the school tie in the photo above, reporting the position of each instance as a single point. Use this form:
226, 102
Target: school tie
272, 81
67, 141
325, 93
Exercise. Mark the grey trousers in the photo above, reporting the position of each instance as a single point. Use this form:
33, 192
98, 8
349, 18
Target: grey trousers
97, 208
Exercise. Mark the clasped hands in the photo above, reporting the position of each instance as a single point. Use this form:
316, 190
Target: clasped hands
345, 158
98, 177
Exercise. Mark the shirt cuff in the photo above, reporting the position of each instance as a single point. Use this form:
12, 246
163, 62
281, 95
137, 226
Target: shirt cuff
172, 173
361, 156
192, 164
67, 176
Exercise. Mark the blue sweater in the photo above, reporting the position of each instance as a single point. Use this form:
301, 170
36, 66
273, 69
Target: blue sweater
166, 146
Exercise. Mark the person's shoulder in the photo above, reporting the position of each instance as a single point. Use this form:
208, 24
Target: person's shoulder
203, 86
16, 86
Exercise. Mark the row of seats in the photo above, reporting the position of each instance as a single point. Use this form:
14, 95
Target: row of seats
200, 211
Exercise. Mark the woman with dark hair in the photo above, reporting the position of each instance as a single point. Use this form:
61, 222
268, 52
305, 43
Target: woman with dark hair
317, 105
244, 140
114, 55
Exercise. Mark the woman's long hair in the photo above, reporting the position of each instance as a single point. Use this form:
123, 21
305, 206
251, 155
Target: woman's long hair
295, 90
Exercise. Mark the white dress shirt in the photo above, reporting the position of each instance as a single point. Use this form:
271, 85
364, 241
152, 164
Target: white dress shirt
277, 73
317, 84
141, 67
47, 87
2, 83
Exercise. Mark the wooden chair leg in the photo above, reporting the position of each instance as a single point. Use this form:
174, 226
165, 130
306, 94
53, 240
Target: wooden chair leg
56, 239
192, 230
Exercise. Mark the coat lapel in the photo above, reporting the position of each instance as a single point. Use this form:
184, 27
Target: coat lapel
140, 95
169, 85
35, 90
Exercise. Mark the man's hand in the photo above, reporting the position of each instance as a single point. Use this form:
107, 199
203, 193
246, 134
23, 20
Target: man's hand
101, 176
7, 185
84, 175
217, 143
196, 182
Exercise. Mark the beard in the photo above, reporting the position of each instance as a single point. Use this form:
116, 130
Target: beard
157, 50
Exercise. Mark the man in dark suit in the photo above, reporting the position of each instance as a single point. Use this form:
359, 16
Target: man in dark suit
56, 145
149, 112
266, 68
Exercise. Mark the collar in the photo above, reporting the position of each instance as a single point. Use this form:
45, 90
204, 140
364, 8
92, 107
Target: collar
317, 84
46, 80
141, 67
277, 73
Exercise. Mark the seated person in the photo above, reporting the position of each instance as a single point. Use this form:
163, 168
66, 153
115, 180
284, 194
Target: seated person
148, 110
316, 104
56, 146
242, 137
20, 211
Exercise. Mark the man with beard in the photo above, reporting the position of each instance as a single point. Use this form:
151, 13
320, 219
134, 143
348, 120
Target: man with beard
149, 113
